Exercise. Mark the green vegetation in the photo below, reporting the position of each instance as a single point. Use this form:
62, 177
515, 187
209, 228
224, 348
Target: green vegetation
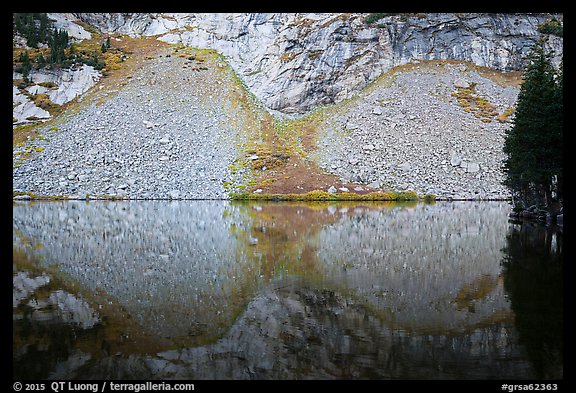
375, 17
44, 102
58, 43
105, 45
504, 117
472, 103
34, 27
37, 29
533, 145
319, 195
553, 27
25, 67
66, 197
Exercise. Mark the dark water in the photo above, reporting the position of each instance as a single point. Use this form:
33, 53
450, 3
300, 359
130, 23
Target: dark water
224, 290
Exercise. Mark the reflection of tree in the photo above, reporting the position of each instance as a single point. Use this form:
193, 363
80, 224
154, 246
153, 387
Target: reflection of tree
533, 279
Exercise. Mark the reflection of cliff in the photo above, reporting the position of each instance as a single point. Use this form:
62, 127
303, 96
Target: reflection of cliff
59, 327
273, 290
46, 322
297, 332
533, 276
171, 266
187, 270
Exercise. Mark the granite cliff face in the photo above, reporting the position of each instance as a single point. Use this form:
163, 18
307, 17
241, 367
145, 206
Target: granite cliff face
294, 62
423, 103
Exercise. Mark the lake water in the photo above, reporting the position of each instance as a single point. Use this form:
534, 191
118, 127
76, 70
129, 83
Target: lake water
230, 290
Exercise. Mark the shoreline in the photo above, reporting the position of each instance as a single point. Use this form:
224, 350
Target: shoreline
312, 196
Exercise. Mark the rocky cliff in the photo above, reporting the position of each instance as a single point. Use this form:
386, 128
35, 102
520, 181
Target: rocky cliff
220, 103
294, 62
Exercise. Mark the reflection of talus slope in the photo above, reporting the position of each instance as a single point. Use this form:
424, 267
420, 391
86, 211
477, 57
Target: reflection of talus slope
281, 238
426, 268
301, 333
188, 271
414, 290
171, 266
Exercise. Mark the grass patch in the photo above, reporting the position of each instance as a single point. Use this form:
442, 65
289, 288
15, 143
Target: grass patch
67, 197
375, 17
472, 103
48, 85
21, 134
319, 195
44, 102
314, 54
88, 28
288, 56
504, 117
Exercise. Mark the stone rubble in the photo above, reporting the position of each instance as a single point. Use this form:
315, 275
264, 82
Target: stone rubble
167, 134
172, 133
413, 135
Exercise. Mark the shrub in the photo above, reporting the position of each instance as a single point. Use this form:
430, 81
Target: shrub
553, 27
371, 18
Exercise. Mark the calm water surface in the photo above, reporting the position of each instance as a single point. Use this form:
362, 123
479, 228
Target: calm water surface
225, 290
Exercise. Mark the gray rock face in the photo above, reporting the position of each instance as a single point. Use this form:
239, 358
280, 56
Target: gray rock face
294, 62
69, 84
28, 110
412, 135
66, 22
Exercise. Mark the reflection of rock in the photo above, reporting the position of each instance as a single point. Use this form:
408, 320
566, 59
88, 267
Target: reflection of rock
24, 286
76, 360
73, 310
415, 289
296, 333
161, 261
416, 261
60, 306
410, 262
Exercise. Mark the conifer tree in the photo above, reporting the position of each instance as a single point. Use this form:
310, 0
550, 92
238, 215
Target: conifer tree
40, 61
26, 66
58, 43
533, 145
